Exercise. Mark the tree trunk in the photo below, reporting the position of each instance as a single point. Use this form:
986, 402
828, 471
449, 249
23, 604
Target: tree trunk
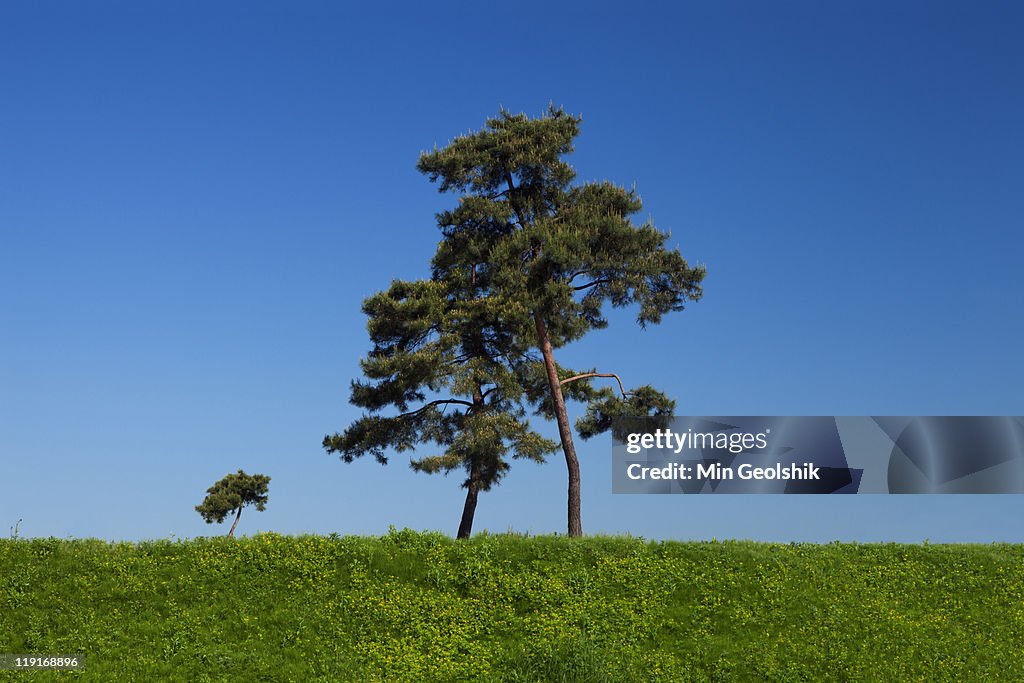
572, 463
466, 525
473, 485
232, 532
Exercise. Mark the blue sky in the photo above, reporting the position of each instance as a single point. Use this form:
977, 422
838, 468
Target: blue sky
194, 200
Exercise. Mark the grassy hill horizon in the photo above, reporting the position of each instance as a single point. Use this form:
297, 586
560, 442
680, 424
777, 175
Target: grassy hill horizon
507, 607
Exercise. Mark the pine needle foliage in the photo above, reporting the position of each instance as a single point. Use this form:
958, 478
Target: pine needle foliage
231, 494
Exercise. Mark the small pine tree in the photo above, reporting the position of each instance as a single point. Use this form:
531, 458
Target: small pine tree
231, 494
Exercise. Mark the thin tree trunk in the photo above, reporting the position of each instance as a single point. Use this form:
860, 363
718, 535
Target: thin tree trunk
469, 510
232, 532
572, 463
473, 486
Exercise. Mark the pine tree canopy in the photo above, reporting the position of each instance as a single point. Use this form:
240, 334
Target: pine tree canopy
543, 245
444, 362
232, 493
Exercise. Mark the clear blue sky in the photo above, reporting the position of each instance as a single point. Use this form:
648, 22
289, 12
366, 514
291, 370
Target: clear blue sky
194, 201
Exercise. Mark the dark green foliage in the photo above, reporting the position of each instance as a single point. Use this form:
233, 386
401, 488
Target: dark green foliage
451, 358
643, 403
541, 244
452, 376
231, 494
410, 606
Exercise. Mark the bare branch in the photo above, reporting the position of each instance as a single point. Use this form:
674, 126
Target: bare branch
511, 188
594, 374
444, 401
601, 281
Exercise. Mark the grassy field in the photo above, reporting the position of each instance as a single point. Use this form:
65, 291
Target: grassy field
422, 607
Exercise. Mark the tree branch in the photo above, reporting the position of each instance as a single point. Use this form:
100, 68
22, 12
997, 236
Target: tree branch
511, 188
599, 281
443, 401
594, 374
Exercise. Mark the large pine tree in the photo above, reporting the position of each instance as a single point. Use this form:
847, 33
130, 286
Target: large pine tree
549, 254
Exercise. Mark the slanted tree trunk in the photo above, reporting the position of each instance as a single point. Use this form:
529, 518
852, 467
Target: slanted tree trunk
232, 532
473, 485
469, 509
572, 463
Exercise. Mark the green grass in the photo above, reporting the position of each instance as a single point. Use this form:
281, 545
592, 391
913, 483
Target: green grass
423, 607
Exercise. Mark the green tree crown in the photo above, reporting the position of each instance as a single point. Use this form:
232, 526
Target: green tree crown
232, 493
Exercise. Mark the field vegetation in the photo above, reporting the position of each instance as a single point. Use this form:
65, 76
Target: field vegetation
412, 606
